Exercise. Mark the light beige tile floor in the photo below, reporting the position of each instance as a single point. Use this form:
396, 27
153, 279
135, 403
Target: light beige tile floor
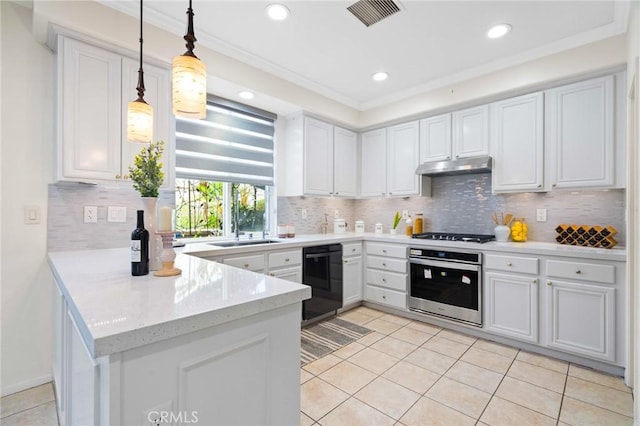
412, 373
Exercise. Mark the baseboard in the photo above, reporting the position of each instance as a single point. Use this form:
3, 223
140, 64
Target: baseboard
27, 384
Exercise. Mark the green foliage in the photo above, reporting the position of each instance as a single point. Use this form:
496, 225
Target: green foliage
146, 172
396, 220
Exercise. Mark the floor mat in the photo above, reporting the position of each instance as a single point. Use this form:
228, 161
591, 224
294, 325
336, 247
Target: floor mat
327, 336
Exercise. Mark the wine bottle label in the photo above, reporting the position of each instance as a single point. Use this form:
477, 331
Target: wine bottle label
136, 251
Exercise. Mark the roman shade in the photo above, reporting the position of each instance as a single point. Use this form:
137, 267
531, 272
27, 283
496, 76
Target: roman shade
234, 143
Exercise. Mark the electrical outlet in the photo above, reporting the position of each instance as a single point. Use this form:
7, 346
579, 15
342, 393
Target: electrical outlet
90, 214
336, 214
303, 214
116, 214
541, 215
405, 214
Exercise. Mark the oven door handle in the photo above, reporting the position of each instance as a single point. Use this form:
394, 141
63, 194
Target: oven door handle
448, 265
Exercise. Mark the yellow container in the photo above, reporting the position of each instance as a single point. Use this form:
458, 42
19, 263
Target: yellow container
417, 224
519, 230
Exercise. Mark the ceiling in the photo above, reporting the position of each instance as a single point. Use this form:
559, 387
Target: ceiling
427, 45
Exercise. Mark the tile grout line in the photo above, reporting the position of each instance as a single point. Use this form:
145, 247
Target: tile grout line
32, 408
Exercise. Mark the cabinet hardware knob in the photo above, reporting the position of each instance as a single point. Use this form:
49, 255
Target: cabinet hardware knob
384, 297
353, 249
384, 264
118, 176
246, 265
535, 281
272, 274
345, 261
554, 185
384, 280
509, 264
539, 186
548, 282
287, 259
578, 271
384, 251
125, 177
337, 193
448, 157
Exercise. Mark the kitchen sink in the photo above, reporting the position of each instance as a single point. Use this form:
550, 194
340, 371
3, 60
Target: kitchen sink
243, 243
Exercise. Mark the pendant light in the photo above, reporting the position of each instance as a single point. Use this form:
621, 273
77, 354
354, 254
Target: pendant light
189, 79
140, 113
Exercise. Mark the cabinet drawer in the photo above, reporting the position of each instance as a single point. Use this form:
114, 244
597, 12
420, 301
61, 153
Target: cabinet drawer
388, 250
285, 258
351, 249
387, 279
252, 263
387, 297
395, 265
582, 271
524, 265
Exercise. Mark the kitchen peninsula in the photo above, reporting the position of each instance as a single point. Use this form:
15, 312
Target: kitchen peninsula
216, 344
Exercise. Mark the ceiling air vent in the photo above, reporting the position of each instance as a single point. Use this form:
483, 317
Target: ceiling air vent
371, 11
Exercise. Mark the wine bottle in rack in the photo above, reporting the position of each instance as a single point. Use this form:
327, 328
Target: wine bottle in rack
140, 248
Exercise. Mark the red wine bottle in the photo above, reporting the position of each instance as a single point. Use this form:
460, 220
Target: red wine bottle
140, 248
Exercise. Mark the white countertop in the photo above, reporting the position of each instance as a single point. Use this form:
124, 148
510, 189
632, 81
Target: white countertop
529, 247
115, 311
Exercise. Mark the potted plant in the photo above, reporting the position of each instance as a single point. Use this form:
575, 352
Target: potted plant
146, 175
396, 221
146, 172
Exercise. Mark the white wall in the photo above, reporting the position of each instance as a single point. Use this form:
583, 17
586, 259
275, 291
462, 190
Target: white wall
26, 156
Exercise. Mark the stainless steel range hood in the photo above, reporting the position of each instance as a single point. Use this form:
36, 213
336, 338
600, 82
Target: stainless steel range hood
455, 167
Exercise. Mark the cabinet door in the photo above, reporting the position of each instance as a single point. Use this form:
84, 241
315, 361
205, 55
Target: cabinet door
517, 143
89, 104
580, 134
471, 132
352, 280
157, 89
512, 306
435, 138
345, 163
403, 147
318, 157
290, 274
373, 181
582, 319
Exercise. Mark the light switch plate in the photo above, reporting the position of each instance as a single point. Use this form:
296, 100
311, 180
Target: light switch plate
31, 215
116, 214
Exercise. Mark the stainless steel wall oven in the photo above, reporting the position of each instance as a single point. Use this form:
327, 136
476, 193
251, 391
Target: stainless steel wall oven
446, 283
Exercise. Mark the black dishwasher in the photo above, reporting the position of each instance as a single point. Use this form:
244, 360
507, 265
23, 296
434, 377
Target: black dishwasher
322, 271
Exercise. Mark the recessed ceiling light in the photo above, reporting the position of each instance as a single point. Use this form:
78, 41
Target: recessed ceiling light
498, 31
277, 12
245, 94
380, 76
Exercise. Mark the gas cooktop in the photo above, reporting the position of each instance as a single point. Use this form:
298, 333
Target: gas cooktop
448, 236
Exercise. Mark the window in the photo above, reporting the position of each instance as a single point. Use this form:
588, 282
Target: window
224, 170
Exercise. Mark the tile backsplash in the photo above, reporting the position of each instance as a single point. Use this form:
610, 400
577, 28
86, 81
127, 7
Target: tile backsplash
465, 204
66, 229
458, 204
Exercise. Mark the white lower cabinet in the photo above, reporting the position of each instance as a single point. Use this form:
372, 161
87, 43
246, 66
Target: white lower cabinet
253, 263
512, 305
386, 274
351, 273
286, 265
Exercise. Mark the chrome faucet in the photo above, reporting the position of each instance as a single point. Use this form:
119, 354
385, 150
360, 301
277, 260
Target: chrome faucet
236, 214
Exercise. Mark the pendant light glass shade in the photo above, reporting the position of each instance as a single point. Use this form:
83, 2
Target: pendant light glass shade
139, 112
189, 79
139, 122
189, 87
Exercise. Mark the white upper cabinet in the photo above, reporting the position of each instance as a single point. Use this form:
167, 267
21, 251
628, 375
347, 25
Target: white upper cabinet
403, 156
318, 157
517, 144
471, 132
94, 87
582, 142
435, 138
89, 112
345, 160
373, 164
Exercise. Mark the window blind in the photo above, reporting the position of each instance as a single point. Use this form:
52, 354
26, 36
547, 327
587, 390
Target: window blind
234, 143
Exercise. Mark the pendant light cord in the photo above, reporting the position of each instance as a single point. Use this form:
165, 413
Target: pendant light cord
140, 87
190, 37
